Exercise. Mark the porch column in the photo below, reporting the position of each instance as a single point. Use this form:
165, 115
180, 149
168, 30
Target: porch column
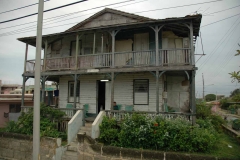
191, 44
156, 30
43, 89
23, 90
113, 34
157, 91
25, 60
94, 42
75, 89
24, 78
193, 97
102, 44
112, 90
76, 54
45, 55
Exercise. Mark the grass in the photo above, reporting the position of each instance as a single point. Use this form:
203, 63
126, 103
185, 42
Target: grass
222, 149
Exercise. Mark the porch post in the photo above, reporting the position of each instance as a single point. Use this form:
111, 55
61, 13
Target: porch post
43, 89
113, 48
76, 54
157, 91
112, 90
45, 55
193, 97
156, 44
25, 61
75, 90
102, 45
24, 78
23, 90
191, 44
94, 42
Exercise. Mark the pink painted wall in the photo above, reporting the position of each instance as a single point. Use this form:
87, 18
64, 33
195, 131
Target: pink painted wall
3, 108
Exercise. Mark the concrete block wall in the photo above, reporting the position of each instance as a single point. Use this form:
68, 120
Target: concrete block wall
19, 147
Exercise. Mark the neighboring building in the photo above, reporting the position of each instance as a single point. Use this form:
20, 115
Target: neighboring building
117, 56
10, 107
8, 88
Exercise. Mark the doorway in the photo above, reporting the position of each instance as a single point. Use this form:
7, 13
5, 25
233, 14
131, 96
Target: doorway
101, 90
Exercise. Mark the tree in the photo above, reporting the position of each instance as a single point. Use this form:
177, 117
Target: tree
210, 97
235, 92
235, 75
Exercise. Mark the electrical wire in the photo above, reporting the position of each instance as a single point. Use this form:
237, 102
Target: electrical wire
135, 12
69, 14
10, 20
21, 7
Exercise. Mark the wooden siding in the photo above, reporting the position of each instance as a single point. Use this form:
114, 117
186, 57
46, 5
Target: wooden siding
178, 93
123, 91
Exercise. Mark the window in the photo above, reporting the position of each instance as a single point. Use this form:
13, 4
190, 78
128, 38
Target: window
14, 108
140, 91
71, 91
73, 48
57, 46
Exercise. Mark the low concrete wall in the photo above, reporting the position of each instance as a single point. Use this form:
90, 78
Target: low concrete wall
74, 125
95, 126
19, 147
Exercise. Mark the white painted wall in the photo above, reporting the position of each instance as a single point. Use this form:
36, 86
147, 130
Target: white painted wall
123, 91
74, 125
95, 125
178, 93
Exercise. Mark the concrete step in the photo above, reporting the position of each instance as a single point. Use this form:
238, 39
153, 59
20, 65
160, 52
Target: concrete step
85, 128
73, 147
88, 124
70, 155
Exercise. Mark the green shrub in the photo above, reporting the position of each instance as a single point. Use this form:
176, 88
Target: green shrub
109, 131
236, 98
202, 110
142, 131
236, 124
224, 103
48, 122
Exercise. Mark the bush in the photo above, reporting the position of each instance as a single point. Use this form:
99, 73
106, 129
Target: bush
210, 97
109, 131
236, 124
48, 122
224, 103
202, 110
236, 98
142, 131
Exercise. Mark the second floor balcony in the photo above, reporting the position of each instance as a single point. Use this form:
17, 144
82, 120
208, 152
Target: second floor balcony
166, 57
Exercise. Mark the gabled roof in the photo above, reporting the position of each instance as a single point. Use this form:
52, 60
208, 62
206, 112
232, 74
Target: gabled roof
137, 18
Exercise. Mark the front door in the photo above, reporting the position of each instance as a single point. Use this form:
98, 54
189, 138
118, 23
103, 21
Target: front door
101, 90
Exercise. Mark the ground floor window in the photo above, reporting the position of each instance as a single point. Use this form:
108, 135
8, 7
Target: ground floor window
140, 91
14, 108
71, 91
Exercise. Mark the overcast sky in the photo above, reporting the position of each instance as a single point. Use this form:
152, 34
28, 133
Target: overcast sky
220, 40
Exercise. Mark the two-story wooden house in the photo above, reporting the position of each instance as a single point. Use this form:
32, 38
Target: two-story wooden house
117, 56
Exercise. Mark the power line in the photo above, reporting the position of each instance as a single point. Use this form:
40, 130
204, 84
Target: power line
43, 11
219, 20
98, 7
22, 7
69, 14
219, 44
33, 26
178, 6
223, 10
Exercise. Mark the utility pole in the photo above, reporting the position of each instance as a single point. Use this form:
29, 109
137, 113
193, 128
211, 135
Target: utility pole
36, 108
203, 87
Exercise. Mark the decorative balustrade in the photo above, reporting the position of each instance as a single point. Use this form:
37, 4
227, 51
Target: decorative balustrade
30, 65
180, 56
120, 115
135, 58
59, 63
95, 61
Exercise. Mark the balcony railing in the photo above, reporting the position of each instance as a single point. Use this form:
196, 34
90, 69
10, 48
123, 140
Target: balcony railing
121, 59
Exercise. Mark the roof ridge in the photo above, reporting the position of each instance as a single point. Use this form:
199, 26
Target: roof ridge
105, 10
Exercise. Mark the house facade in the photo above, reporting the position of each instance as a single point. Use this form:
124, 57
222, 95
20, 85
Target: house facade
117, 56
